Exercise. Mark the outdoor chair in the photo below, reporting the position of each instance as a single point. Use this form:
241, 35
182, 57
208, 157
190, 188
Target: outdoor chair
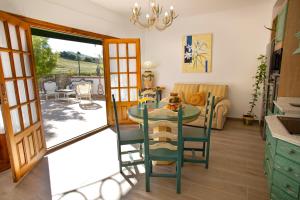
84, 90
50, 88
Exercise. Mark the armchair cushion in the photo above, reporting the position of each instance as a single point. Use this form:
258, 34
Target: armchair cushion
197, 99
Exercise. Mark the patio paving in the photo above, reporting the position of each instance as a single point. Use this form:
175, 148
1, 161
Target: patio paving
64, 120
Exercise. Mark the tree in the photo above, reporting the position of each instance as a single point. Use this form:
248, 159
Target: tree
45, 59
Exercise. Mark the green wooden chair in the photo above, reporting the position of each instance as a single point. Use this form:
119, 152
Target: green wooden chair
128, 137
162, 150
200, 135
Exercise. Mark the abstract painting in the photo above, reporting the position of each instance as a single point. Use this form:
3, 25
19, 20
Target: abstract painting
197, 50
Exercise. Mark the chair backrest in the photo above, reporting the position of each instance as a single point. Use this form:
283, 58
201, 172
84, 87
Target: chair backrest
116, 116
83, 88
50, 86
148, 96
208, 115
173, 131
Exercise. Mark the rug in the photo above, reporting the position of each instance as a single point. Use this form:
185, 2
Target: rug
90, 106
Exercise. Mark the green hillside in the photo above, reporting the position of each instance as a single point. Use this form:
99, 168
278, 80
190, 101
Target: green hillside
71, 67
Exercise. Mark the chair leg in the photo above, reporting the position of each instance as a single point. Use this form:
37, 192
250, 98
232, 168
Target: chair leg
147, 180
178, 177
141, 150
207, 154
151, 166
203, 152
182, 155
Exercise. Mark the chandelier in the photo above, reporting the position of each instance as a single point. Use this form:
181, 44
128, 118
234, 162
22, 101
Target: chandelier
153, 17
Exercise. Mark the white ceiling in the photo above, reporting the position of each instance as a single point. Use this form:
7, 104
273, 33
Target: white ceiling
182, 7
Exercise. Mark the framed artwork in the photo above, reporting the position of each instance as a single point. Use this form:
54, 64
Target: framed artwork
197, 50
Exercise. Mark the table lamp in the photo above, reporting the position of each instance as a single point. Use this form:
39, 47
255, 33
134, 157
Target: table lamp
148, 75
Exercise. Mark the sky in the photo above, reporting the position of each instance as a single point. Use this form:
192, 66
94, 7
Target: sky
83, 48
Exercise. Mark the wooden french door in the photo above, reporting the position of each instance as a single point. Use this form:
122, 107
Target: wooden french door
21, 108
123, 75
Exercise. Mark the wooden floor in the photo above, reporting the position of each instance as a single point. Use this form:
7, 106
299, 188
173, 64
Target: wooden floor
89, 170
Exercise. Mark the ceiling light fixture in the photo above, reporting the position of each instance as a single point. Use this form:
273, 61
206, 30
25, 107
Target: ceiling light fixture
153, 17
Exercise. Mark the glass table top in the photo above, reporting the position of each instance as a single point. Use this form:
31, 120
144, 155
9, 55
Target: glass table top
189, 112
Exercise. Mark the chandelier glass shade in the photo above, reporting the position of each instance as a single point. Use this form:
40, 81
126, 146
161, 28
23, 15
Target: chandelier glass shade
154, 16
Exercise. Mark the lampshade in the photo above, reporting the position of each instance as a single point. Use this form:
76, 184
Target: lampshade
148, 64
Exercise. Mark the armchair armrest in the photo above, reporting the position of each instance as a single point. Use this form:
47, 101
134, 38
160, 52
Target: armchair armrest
222, 107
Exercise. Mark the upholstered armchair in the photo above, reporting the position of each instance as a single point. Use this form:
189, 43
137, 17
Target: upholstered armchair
222, 105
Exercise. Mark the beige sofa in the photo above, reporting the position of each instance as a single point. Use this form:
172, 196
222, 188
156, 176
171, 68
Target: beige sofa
221, 107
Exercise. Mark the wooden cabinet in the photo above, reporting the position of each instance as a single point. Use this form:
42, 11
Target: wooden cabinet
280, 24
282, 168
290, 68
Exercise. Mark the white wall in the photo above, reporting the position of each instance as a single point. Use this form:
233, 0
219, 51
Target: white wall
71, 13
239, 37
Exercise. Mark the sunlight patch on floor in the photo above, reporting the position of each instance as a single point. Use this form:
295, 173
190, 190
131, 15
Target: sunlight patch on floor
90, 170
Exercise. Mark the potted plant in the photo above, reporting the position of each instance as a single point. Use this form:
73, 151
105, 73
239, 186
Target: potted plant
259, 77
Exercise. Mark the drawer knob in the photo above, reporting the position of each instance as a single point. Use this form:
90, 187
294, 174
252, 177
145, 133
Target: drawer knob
287, 186
288, 169
292, 151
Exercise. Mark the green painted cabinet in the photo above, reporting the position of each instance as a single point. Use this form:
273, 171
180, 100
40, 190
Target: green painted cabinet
280, 25
277, 111
282, 168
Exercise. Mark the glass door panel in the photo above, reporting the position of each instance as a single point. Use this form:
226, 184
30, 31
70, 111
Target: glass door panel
123, 65
27, 65
133, 94
25, 116
11, 95
112, 50
132, 80
3, 41
14, 114
22, 93
23, 39
124, 94
13, 36
6, 64
131, 50
17, 63
122, 50
132, 65
123, 80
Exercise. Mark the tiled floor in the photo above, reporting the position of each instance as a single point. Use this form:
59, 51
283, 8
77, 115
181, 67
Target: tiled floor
89, 170
60, 115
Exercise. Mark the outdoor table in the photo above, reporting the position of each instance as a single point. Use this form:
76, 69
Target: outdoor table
65, 93
190, 113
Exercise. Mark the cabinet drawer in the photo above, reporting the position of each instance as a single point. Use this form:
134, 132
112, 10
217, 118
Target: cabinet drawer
289, 151
277, 194
268, 172
286, 184
287, 167
268, 156
270, 142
